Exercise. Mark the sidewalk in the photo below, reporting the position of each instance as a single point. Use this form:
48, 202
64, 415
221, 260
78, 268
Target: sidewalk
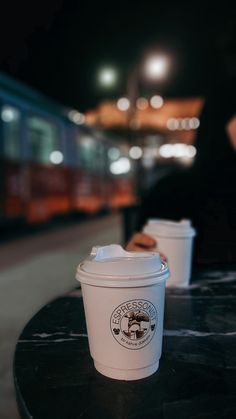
35, 270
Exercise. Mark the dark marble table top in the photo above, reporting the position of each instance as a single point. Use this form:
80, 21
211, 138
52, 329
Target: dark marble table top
55, 377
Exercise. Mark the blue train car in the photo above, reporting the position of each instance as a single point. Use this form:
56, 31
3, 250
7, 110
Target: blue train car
51, 163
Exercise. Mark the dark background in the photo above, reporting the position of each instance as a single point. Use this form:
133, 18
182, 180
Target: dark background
57, 46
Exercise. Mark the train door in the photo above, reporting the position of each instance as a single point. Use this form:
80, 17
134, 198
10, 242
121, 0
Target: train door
11, 184
87, 195
48, 189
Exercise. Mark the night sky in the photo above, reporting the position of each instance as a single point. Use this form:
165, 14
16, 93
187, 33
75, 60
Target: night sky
58, 46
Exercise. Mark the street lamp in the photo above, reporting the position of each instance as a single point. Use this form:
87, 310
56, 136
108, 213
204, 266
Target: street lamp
156, 67
107, 77
153, 67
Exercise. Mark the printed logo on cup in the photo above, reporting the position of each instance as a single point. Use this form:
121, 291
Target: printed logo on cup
133, 323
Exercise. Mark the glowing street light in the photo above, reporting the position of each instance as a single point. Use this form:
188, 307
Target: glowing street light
107, 77
156, 67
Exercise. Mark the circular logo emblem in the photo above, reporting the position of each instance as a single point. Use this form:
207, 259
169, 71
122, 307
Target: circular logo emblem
133, 323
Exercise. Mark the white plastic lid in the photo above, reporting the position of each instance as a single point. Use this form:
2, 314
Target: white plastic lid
168, 228
113, 266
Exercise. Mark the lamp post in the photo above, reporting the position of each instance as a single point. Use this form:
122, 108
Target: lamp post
154, 67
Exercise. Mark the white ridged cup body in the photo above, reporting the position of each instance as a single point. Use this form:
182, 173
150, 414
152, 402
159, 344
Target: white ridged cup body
110, 305
175, 241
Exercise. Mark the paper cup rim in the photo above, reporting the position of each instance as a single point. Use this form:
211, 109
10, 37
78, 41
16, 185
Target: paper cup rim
169, 235
122, 281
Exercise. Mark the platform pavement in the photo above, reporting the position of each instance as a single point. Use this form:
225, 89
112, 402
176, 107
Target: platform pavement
33, 271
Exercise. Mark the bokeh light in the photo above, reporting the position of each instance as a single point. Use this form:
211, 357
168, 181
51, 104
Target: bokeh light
56, 157
123, 104
120, 166
107, 77
156, 101
135, 152
142, 103
113, 153
156, 67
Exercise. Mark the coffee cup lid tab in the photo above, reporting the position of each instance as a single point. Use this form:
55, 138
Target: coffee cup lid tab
114, 260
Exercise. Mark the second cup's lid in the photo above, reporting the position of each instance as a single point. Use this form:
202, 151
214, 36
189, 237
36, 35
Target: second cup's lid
112, 263
164, 228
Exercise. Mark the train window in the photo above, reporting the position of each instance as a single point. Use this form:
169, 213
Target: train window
91, 153
101, 153
86, 149
11, 131
44, 142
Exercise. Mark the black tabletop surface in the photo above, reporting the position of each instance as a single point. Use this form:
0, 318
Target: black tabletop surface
55, 377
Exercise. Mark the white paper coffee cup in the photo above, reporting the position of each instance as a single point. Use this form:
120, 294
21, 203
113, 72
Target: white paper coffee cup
123, 294
175, 241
